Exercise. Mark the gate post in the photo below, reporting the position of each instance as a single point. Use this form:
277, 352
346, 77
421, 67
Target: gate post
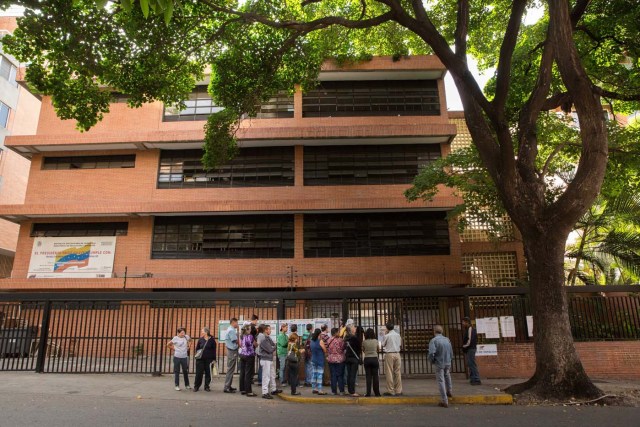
345, 310
44, 337
281, 310
158, 347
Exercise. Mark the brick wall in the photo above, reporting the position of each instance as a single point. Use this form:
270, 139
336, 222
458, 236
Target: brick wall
602, 359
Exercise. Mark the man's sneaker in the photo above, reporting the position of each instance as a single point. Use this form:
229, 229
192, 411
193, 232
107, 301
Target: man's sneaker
267, 396
177, 388
278, 391
188, 387
443, 405
297, 393
476, 383
386, 393
233, 389
228, 390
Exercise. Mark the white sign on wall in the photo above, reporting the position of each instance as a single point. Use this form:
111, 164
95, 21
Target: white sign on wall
78, 257
487, 350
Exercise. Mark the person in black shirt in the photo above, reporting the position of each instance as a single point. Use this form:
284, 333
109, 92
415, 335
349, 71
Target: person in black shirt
353, 342
203, 364
470, 342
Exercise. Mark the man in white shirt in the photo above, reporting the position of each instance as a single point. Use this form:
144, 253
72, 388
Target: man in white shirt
391, 344
180, 346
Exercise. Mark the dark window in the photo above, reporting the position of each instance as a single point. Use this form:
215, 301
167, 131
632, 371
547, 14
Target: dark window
80, 229
200, 106
252, 167
90, 162
375, 234
372, 98
366, 164
232, 236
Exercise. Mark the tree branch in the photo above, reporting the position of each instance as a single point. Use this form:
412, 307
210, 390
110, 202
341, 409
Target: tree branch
503, 78
462, 29
616, 95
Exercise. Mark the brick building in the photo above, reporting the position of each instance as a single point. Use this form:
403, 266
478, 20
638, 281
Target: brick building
314, 198
18, 116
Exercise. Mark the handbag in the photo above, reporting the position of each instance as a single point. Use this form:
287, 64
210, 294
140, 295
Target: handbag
199, 352
292, 357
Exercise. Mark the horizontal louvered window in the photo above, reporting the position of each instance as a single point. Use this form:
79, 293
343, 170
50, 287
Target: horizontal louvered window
228, 236
71, 229
90, 162
376, 234
372, 98
366, 164
252, 167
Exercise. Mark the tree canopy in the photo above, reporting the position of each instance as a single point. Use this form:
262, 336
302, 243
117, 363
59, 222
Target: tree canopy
581, 54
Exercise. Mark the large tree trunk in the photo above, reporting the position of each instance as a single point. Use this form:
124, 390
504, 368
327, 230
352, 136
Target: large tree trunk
559, 373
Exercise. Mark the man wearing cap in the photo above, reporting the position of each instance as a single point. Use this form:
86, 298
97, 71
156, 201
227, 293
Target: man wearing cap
470, 342
391, 344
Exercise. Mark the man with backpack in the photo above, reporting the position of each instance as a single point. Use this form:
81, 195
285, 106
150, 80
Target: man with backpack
308, 369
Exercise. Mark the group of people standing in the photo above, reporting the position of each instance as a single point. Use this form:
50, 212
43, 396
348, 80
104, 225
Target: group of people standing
343, 350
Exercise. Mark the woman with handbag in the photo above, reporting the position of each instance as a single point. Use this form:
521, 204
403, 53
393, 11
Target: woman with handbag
354, 359
205, 356
292, 359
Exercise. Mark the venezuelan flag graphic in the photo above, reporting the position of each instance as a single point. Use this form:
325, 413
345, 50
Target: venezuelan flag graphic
72, 257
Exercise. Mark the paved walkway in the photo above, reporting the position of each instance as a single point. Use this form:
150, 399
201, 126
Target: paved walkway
139, 386
422, 391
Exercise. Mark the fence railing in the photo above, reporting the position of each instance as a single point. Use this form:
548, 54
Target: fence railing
129, 332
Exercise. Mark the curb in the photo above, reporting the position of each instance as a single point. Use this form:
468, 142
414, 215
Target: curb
492, 399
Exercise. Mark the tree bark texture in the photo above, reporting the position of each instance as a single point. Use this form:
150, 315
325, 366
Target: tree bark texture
559, 373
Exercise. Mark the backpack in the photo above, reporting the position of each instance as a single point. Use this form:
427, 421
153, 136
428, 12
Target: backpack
292, 357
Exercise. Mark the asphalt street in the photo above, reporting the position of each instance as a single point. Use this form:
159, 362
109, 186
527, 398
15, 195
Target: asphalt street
19, 409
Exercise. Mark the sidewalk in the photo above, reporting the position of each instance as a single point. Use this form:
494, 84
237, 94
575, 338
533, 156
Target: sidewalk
138, 386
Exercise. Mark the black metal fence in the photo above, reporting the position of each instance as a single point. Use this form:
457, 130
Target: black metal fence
128, 333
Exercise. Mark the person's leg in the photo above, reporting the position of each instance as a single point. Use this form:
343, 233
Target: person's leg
334, 380
388, 372
199, 374
207, 373
376, 377
176, 371
441, 386
447, 380
318, 371
397, 374
264, 379
241, 380
340, 376
353, 373
308, 367
282, 360
272, 377
248, 376
368, 372
474, 375
185, 370
293, 376
232, 357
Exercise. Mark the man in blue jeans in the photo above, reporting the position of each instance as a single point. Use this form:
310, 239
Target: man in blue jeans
308, 368
440, 354
470, 343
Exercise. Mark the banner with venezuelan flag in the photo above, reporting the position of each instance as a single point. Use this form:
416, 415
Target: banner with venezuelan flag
81, 257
